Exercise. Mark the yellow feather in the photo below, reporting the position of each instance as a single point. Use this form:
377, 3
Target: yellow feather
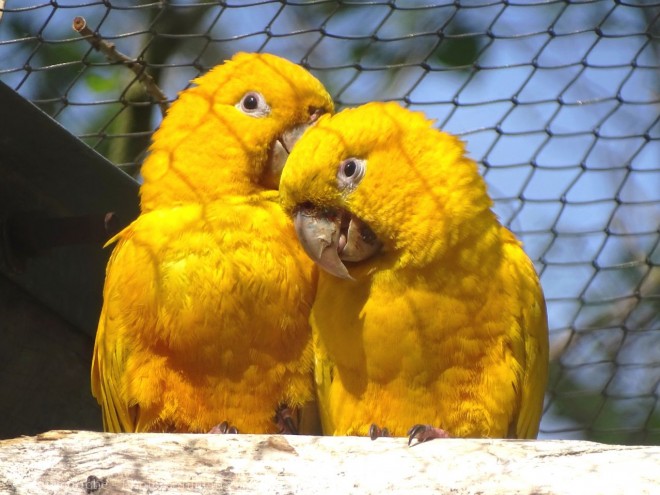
446, 326
207, 294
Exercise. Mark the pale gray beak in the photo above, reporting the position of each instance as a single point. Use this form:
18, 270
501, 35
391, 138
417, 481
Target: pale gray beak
284, 144
329, 236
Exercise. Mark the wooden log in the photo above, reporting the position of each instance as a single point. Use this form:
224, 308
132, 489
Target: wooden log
83, 462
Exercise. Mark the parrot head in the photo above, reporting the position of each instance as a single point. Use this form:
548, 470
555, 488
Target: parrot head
377, 185
270, 102
232, 130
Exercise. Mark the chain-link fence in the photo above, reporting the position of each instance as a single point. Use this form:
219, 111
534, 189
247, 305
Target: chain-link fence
558, 100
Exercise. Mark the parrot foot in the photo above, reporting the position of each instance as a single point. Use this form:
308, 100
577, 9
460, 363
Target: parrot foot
224, 428
424, 433
285, 422
375, 432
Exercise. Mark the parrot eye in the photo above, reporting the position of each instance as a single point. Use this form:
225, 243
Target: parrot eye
351, 171
253, 104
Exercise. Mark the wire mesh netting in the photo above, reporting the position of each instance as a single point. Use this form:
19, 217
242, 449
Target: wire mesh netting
559, 101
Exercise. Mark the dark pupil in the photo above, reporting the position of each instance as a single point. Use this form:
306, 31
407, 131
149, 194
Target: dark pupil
250, 102
349, 168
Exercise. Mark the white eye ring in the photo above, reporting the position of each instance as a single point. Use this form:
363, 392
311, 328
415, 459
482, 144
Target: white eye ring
350, 173
253, 104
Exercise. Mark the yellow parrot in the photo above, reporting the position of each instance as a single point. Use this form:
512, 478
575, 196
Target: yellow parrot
205, 321
429, 320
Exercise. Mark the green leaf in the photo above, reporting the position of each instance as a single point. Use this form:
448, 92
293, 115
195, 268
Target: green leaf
460, 50
99, 83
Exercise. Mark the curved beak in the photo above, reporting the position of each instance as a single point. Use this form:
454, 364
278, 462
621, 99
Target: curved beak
283, 144
331, 236
281, 148
319, 232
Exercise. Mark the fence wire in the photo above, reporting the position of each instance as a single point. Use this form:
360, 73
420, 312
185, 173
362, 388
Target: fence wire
558, 100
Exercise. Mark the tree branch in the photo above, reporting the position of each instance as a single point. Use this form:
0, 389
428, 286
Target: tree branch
112, 54
88, 462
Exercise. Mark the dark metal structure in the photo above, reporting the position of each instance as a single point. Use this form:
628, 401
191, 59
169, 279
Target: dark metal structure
55, 196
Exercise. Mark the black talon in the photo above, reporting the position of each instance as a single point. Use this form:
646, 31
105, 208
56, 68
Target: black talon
224, 428
424, 433
290, 425
284, 420
376, 432
414, 431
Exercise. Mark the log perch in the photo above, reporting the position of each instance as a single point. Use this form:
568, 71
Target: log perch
84, 462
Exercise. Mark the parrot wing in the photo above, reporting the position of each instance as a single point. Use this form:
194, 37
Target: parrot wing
533, 322
323, 373
108, 363
116, 417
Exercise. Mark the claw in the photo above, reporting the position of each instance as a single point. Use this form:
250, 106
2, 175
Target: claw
285, 421
376, 432
224, 428
424, 433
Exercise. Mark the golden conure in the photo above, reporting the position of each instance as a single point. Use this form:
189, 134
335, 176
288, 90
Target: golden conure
429, 319
207, 294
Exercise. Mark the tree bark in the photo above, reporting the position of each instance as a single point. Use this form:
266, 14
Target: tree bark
84, 462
